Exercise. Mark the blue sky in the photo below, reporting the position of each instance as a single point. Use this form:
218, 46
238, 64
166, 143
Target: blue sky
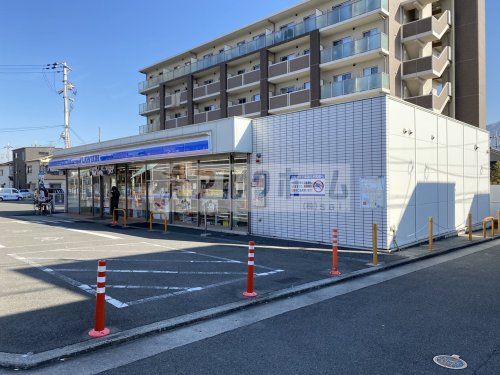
107, 42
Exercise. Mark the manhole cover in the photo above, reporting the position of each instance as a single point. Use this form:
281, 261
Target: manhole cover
453, 362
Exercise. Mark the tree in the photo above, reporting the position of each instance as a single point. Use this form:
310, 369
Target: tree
495, 173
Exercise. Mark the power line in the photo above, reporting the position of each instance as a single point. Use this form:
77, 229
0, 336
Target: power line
28, 128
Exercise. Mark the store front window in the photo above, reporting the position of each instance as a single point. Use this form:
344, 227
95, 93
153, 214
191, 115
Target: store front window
121, 184
215, 203
240, 194
85, 192
136, 190
73, 200
211, 192
184, 177
159, 189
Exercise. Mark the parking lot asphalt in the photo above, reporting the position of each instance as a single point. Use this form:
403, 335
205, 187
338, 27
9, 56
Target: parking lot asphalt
48, 273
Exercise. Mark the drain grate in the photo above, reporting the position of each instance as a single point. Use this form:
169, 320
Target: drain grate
453, 362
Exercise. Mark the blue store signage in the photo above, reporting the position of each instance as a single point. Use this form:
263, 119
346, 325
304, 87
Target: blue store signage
170, 149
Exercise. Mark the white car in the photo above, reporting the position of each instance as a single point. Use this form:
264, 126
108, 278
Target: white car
10, 194
26, 193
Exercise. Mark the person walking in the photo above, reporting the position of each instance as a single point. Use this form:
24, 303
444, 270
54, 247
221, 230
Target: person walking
113, 204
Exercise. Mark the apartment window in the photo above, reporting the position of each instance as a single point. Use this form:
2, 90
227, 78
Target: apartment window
221, 50
345, 40
370, 71
309, 22
259, 36
288, 25
371, 32
151, 121
306, 52
342, 77
256, 67
241, 71
177, 90
177, 115
241, 43
288, 57
287, 90
255, 98
29, 169
242, 100
208, 108
208, 81
208, 55
307, 85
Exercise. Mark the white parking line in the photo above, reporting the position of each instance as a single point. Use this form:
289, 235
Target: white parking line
181, 292
93, 233
86, 288
147, 287
154, 271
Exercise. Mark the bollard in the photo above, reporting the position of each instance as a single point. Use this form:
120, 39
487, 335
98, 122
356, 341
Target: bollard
251, 256
498, 220
99, 329
491, 220
431, 240
151, 219
335, 256
374, 244
469, 225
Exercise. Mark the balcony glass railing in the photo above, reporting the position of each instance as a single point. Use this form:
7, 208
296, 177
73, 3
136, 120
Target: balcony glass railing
330, 18
356, 47
149, 128
149, 106
355, 85
348, 11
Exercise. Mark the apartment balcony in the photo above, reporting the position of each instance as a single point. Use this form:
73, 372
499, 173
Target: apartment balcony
206, 91
426, 30
243, 82
200, 117
149, 128
286, 70
298, 99
176, 122
427, 67
434, 101
175, 100
149, 107
249, 109
150, 84
355, 88
355, 52
352, 15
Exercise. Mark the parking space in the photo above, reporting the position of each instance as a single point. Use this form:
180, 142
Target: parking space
48, 270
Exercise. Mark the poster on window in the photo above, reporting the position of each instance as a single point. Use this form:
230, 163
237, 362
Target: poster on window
307, 185
372, 192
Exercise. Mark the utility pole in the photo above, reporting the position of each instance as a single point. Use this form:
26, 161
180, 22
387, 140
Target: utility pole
99, 134
66, 86
8, 155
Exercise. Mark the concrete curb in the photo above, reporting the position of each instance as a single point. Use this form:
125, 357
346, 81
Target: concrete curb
27, 361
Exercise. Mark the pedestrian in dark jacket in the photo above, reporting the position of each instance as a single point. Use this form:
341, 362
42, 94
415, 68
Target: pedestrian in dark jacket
113, 204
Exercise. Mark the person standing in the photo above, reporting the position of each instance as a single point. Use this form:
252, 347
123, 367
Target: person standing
113, 203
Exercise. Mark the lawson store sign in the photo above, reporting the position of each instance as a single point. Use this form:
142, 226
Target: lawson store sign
167, 150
